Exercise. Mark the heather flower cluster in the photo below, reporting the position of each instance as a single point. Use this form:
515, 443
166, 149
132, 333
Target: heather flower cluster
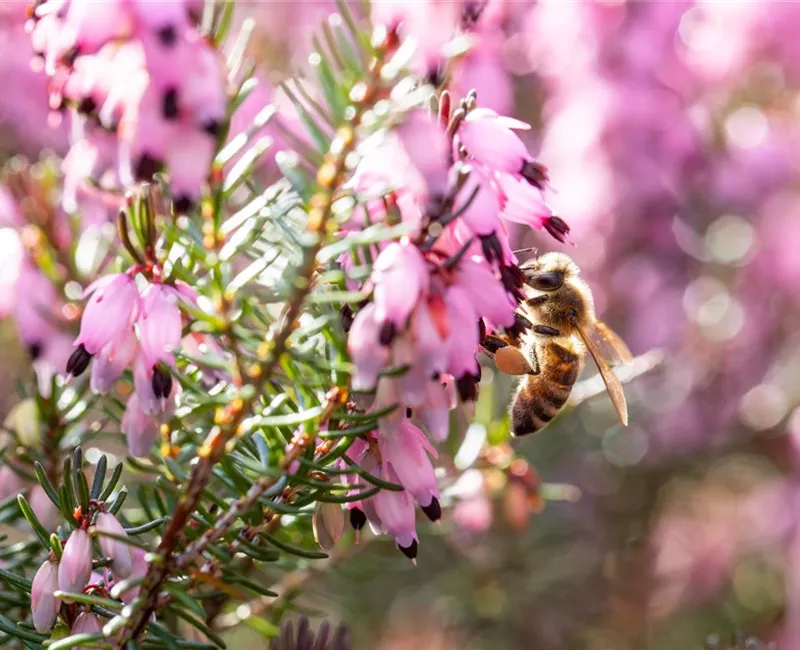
456, 181
123, 328
145, 90
68, 572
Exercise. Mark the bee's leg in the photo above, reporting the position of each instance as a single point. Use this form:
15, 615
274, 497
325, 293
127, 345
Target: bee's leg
492, 344
544, 330
536, 301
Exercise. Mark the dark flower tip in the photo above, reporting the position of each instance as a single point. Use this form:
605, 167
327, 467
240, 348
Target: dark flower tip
557, 228
435, 76
169, 105
183, 204
535, 173
387, 333
69, 57
409, 551
35, 350
467, 388
471, 13
213, 128
357, 518
492, 248
167, 35
87, 106
146, 167
513, 278
78, 361
162, 383
433, 510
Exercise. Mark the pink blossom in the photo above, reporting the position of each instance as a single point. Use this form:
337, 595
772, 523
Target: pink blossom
430, 24
400, 275
75, 567
490, 139
365, 348
117, 551
487, 295
427, 148
479, 205
112, 361
139, 568
440, 399
109, 312
407, 452
44, 604
429, 339
165, 17
87, 623
89, 25
464, 333
159, 324
141, 428
397, 516
34, 308
144, 72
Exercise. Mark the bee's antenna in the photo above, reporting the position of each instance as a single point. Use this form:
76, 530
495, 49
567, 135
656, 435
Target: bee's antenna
533, 250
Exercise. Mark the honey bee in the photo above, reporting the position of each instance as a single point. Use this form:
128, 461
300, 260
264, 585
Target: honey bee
558, 312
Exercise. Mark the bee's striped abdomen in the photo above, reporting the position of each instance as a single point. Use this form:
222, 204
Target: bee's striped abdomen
540, 397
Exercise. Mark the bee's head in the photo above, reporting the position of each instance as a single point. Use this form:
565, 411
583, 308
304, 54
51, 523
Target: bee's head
548, 272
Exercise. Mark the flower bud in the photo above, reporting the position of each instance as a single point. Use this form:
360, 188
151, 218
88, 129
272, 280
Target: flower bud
87, 623
23, 419
119, 552
44, 604
328, 524
75, 568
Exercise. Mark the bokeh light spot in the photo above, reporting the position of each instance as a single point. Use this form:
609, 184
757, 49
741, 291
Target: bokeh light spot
763, 407
625, 446
730, 239
747, 127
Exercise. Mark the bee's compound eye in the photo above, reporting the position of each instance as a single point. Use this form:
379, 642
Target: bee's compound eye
546, 281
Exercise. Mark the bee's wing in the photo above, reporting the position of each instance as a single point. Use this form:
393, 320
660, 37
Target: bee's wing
512, 361
612, 382
609, 343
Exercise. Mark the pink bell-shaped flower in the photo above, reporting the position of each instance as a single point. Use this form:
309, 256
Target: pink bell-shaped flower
406, 451
427, 147
400, 275
464, 334
140, 428
112, 361
75, 567
485, 291
44, 604
87, 623
159, 324
365, 348
397, 516
117, 551
490, 139
109, 312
